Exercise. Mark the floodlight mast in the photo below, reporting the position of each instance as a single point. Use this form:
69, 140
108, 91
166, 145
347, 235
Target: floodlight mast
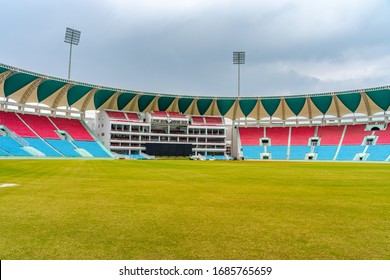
238, 58
72, 37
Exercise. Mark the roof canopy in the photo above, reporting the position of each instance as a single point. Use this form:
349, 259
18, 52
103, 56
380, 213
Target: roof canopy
25, 87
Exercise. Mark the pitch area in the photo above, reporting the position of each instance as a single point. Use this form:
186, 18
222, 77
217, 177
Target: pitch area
167, 209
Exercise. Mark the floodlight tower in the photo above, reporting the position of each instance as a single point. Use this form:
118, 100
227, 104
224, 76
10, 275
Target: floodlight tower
238, 58
72, 37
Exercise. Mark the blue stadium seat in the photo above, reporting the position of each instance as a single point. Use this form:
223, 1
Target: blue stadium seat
277, 152
3, 153
252, 152
92, 147
378, 152
43, 147
325, 152
8, 144
349, 152
64, 146
299, 152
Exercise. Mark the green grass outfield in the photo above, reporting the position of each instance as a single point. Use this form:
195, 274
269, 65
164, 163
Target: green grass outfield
181, 209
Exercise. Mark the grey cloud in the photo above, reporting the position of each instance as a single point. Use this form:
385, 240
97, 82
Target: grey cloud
191, 53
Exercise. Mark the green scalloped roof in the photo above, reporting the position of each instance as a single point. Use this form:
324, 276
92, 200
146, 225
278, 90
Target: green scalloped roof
16, 82
322, 102
247, 106
2, 69
124, 99
203, 105
184, 104
77, 92
164, 102
380, 97
101, 96
224, 105
270, 105
48, 88
350, 100
295, 104
144, 101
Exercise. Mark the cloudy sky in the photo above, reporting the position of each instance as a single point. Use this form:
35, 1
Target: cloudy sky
185, 46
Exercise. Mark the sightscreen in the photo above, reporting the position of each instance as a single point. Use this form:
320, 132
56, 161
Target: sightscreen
171, 149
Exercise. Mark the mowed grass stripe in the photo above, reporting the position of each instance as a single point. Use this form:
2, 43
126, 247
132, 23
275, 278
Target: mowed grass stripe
91, 209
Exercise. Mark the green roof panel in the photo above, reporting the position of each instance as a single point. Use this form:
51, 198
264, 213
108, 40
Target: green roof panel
77, 92
224, 105
144, 101
47, 88
270, 105
380, 97
247, 105
101, 96
2, 69
16, 82
322, 102
350, 100
164, 102
296, 104
124, 99
184, 103
203, 105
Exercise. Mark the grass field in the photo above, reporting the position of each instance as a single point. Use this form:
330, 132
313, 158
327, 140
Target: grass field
92, 209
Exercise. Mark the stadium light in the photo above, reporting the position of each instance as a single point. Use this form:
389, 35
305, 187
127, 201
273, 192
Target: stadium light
72, 37
238, 58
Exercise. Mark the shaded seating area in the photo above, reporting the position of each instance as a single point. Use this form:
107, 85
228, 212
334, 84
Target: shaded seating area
12, 121
347, 142
28, 135
250, 136
73, 127
41, 125
115, 115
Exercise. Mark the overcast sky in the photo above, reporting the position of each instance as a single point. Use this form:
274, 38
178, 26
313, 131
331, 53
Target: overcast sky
186, 46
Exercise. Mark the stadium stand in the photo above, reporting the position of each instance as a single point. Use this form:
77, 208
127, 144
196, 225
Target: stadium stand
344, 125
325, 152
73, 127
41, 125
252, 152
327, 147
278, 135
330, 135
197, 120
133, 117
159, 114
299, 152
31, 135
354, 134
251, 135
300, 135
176, 115
43, 147
213, 120
383, 136
349, 152
92, 147
278, 152
114, 115
378, 152
15, 124
65, 147
12, 147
